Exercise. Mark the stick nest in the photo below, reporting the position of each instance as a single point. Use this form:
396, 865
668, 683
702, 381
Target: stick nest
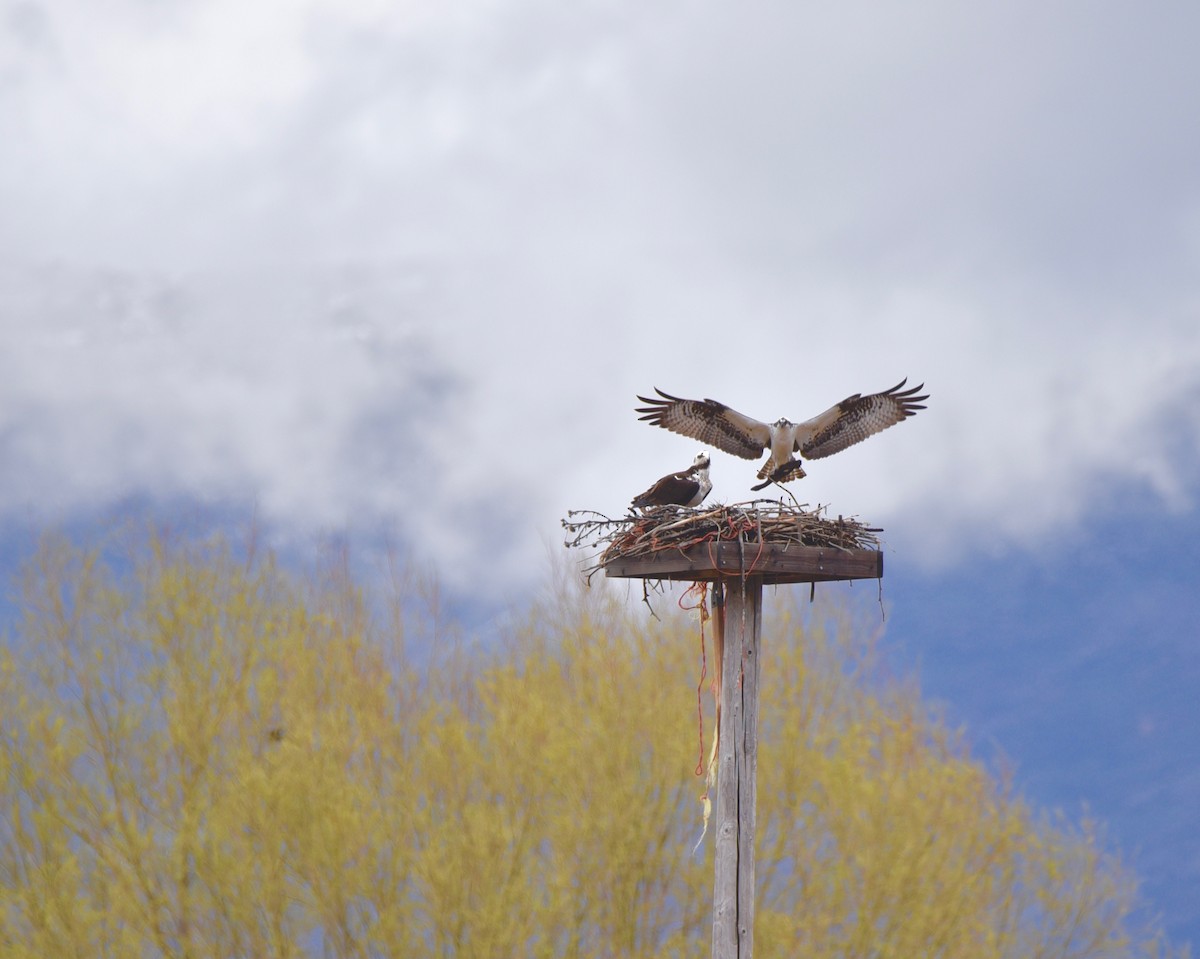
672, 527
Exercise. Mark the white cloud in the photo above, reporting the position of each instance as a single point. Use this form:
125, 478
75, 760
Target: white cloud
375, 264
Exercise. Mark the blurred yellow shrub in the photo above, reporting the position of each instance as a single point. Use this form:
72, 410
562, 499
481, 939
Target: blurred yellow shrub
202, 756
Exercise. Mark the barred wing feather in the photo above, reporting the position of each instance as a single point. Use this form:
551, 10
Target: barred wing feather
709, 422
857, 417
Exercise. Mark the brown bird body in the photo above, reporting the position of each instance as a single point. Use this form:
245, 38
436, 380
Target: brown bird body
685, 488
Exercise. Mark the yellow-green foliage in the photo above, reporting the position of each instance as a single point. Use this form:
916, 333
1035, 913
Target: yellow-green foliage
202, 757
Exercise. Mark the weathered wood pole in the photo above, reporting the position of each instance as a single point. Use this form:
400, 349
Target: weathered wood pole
739, 631
737, 621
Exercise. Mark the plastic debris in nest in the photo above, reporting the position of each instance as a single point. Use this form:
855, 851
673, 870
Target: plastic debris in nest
678, 528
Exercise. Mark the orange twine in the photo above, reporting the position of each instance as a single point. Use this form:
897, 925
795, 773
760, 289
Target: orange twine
701, 589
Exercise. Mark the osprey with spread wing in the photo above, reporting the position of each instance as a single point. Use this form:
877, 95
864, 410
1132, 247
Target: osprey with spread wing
848, 422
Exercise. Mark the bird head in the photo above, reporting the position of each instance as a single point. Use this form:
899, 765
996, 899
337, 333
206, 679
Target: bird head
701, 461
783, 424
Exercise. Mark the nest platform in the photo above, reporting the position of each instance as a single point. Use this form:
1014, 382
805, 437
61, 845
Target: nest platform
761, 538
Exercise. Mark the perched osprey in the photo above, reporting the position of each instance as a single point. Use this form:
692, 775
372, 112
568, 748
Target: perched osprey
687, 488
850, 421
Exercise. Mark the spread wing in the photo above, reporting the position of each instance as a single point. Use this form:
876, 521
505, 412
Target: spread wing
857, 417
709, 422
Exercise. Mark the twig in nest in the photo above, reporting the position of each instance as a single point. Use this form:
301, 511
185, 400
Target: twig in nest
677, 528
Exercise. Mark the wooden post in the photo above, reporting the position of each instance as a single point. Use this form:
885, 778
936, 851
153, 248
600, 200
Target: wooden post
737, 766
738, 630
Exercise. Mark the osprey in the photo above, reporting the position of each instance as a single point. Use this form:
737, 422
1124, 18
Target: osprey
848, 422
686, 488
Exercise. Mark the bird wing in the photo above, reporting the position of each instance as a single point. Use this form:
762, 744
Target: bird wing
676, 488
707, 421
855, 418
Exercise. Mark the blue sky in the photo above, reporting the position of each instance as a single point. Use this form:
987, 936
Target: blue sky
1078, 668
400, 270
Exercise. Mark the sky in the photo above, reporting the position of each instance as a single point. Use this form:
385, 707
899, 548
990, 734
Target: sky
401, 269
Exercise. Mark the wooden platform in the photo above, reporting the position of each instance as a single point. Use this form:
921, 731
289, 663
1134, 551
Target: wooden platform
767, 562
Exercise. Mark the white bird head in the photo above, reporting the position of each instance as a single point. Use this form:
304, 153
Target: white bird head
701, 460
